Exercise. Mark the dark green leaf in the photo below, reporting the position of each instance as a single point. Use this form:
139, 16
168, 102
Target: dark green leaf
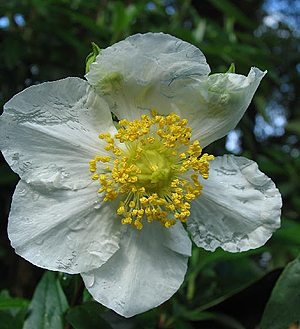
13, 51
8, 303
283, 307
48, 304
289, 232
18, 320
12, 311
87, 316
5, 319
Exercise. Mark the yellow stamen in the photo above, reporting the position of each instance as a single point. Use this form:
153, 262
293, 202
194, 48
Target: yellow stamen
153, 167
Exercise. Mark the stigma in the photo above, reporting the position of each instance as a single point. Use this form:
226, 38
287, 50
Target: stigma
153, 170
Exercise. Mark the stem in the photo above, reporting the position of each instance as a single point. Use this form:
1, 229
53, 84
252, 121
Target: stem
76, 298
78, 293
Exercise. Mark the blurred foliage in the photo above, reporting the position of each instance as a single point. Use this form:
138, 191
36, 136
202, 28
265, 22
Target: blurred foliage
45, 40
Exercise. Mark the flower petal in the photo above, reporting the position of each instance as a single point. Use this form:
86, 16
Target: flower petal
63, 230
139, 72
144, 272
215, 106
239, 207
49, 132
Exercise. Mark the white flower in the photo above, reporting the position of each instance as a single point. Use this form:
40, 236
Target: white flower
59, 220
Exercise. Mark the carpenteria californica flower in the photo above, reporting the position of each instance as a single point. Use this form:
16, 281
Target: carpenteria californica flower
111, 167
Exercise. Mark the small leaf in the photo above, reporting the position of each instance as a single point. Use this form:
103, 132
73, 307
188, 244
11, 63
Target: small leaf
231, 68
91, 57
87, 316
283, 307
48, 304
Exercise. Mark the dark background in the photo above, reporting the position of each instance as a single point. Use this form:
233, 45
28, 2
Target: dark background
42, 40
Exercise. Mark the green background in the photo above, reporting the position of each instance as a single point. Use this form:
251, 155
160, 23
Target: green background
43, 40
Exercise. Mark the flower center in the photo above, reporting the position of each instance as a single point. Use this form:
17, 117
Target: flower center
154, 169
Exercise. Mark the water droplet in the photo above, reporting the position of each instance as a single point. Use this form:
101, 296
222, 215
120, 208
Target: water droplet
121, 303
110, 246
35, 196
26, 220
224, 185
39, 240
97, 204
64, 175
77, 224
159, 287
52, 167
67, 262
94, 245
89, 279
70, 241
176, 239
22, 192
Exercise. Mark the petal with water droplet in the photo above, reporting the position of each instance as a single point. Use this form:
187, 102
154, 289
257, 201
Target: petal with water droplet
63, 231
146, 271
239, 207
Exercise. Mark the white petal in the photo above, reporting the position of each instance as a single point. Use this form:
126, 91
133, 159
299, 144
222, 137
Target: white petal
239, 207
140, 71
143, 273
63, 230
215, 106
49, 132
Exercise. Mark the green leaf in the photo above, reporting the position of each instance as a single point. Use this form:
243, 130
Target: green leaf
8, 303
5, 319
283, 307
91, 57
216, 317
12, 311
87, 316
122, 18
18, 320
48, 304
289, 233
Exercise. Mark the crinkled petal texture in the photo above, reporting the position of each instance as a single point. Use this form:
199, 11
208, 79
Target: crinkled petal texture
147, 270
215, 106
158, 71
145, 71
239, 207
49, 132
63, 230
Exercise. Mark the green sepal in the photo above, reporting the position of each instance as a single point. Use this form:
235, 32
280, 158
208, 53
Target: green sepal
91, 57
231, 68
